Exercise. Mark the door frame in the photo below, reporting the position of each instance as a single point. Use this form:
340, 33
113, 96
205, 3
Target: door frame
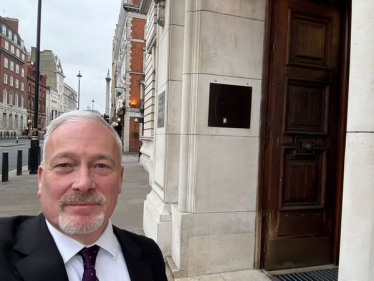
259, 259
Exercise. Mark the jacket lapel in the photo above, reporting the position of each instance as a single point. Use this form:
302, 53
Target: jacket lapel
138, 269
42, 259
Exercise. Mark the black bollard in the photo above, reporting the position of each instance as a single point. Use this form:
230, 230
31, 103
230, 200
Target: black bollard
29, 159
19, 162
5, 170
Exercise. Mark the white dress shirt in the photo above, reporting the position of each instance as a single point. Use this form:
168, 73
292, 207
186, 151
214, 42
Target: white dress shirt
110, 263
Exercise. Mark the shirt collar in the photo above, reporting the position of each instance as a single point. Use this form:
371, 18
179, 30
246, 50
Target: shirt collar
69, 247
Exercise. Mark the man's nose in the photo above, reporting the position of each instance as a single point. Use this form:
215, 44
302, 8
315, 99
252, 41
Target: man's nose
83, 180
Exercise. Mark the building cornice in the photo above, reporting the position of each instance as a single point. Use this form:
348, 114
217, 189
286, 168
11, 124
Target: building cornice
131, 8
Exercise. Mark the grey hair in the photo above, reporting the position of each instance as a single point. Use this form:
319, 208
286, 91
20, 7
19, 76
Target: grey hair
76, 116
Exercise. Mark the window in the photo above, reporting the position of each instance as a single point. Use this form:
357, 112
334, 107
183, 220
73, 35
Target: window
5, 94
11, 98
4, 29
11, 81
10, 34
5, 79
17, 68
16, 120
5, 62
22, 72
15, 37
16, 100
23, 57
6, 45
22, 86
29, 88
17, 53
11, 66
17, 84
12, 49
22, 101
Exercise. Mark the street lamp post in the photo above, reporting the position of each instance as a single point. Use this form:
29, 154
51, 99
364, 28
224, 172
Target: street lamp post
34, 144
79, 87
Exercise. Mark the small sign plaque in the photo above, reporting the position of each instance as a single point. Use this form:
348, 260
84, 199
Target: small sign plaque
161, 110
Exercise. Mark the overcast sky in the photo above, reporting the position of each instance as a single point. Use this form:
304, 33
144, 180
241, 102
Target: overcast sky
79, 32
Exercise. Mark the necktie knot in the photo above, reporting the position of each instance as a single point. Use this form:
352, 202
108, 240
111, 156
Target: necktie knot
89, 258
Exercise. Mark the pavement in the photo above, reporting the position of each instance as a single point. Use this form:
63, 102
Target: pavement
9, 142
18, 196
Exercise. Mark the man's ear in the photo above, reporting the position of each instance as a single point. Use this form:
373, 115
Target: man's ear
40, 179
121, 180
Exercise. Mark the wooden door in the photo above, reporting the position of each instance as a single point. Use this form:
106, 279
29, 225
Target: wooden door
301, 138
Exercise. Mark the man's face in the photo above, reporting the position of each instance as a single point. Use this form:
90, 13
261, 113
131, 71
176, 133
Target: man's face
81, 178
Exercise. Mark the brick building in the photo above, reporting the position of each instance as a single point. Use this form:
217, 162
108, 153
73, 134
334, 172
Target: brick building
13, 71
31, 97
128, 75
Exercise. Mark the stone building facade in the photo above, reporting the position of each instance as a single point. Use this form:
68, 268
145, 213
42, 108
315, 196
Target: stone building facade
128, 75
69, 99
258, 134
13, 70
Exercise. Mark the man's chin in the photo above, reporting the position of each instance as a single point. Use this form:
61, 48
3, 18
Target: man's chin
82, 224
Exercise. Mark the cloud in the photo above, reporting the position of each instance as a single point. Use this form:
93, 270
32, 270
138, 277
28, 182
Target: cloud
80, 33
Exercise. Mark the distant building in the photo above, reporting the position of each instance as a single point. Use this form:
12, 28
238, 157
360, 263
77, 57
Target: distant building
52, 104
69, 99
63, 98
13, 69
31, 102
128, 75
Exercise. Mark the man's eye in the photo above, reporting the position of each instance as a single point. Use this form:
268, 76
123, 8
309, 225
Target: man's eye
102, 166
62, 165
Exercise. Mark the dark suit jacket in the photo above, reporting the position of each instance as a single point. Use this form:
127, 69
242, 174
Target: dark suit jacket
28, 252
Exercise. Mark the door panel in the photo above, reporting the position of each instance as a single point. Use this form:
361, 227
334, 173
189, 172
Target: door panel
301, 143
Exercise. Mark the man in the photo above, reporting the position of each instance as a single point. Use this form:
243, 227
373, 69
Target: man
73, 239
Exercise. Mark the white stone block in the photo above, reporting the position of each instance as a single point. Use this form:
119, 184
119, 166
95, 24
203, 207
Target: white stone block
176, 52
157, 222
361, 80
231, 46
214, 254
226, 174
159, 160
177, 12
174, 104
163, 61
172, 169
357, 239
253, 9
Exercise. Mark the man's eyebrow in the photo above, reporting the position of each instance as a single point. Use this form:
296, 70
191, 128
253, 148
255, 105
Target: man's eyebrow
104, 157
64, 154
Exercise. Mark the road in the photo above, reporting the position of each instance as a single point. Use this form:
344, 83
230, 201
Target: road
23, 144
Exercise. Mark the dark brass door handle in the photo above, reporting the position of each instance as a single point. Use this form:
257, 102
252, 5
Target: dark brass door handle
308, 146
